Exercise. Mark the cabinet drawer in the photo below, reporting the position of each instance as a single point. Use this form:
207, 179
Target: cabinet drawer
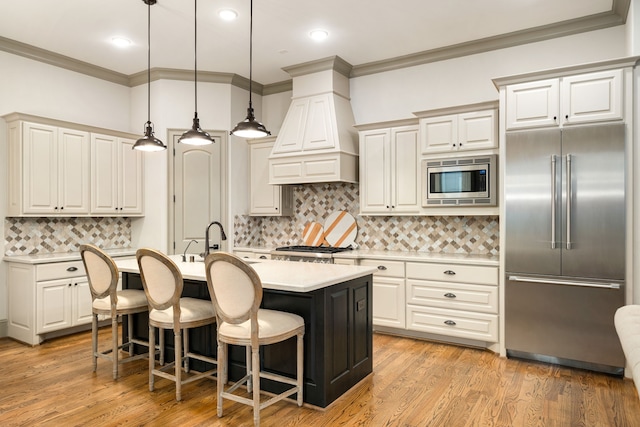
453, 323
385, 268
456, 296
453, 273
59, 270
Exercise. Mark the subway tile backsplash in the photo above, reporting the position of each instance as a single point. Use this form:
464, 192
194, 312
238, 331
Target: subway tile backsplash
28, 236
315, 202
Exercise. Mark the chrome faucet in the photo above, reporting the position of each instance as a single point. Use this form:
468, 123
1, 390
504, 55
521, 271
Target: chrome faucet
206, 237
184, 255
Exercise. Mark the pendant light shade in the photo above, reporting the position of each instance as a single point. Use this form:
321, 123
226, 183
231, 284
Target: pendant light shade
149, 142
195, 135
250, 127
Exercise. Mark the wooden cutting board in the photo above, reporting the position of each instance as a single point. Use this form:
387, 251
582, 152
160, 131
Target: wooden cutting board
340, 229
313, 234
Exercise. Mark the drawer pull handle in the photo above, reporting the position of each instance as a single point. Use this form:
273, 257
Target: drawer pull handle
450, 322
263, 257
72, 269
450, 295
450, 272
382, 268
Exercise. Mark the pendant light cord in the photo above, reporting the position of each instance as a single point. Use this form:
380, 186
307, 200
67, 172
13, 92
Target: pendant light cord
195, 55
250, 50
149, 62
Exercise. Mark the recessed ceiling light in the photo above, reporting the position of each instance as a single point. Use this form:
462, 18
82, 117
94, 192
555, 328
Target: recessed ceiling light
319, 35
228, 14
121, 41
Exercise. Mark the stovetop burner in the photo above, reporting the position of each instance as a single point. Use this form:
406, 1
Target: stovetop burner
313, 249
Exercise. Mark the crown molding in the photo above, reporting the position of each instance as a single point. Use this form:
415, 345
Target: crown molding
37, 54
616, 16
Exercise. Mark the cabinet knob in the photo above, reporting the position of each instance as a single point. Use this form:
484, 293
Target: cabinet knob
566, 117
61, 207
450, 272
450, 323
555, 118
450, 295
116, 208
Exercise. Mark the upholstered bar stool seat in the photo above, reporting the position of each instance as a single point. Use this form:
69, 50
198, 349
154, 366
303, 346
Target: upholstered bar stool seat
163, 284
103, 276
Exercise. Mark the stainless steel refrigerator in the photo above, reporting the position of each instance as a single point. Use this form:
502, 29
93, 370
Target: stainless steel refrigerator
565, 245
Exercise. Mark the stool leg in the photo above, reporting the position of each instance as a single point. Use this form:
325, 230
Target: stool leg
300, 366
161, 334
130, 332
152, 358
249, 368
255, 377
114, 343
185, 338
222, 355
177, 344
94, 340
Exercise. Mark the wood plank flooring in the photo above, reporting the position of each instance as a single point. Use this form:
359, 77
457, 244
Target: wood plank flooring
414, 383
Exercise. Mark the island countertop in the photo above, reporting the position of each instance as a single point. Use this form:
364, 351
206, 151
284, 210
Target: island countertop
278, 275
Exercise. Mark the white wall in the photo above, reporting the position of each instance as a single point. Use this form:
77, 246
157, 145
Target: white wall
467, 80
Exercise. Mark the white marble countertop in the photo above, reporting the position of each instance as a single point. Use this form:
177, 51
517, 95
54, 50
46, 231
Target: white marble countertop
439, 257
64, 256
278, 275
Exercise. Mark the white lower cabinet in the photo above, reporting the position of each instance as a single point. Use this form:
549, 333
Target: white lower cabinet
454, 300
45, 298
388, 292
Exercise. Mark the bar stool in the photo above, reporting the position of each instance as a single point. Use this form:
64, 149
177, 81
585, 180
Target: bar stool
162, 282
102, 274
236, 292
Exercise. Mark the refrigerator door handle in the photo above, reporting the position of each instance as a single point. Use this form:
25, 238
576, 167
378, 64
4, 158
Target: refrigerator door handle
569, 199
554, 201
564, 282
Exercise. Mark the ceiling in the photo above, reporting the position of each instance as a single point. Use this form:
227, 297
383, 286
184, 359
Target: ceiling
362, 32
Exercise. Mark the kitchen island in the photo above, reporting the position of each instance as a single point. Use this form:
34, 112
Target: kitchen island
335, 302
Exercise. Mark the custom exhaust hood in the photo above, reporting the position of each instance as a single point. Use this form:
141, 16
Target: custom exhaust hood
317, 141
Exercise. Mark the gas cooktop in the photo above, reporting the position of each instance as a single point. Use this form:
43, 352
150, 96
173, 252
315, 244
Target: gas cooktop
313, 249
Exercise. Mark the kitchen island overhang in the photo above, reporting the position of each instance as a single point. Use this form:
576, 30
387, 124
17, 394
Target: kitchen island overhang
335, 302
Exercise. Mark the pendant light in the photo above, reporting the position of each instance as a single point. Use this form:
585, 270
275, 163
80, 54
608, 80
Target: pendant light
250, 127
149, 142
195, 135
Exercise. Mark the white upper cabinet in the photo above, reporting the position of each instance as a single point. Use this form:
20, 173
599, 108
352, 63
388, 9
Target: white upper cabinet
266, 199
466, 131
566, 100
48, 170
389, 170
116, 176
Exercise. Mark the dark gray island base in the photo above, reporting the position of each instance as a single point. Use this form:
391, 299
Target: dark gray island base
337, 342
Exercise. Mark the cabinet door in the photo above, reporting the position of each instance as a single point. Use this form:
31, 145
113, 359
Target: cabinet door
40, 179
73, 172
592, 97
130, 181
477, 130
53, 310
104, 178
404, 169
389, 302
375, 171
264, 198
439, 134
81, 304
533, 104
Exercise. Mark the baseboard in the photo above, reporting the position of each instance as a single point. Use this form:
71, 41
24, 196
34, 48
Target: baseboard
4, 328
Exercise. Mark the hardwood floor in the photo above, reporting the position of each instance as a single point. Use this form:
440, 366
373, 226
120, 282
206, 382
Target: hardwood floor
414, 383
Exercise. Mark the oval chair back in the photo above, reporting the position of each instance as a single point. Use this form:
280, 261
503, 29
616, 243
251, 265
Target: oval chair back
102, 272
159, 271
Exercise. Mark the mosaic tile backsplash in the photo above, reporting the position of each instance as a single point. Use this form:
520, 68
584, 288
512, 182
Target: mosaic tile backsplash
28, 236
315, 202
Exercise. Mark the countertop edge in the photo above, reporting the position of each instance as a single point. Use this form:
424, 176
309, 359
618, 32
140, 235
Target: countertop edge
64, 256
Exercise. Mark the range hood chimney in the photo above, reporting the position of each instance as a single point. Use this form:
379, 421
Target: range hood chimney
317, 141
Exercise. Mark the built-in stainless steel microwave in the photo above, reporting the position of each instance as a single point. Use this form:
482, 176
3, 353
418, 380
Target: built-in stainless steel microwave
461, 181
